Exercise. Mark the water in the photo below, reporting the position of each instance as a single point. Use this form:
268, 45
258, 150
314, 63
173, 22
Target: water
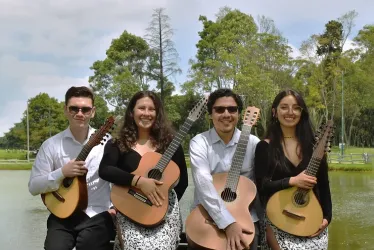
23, 217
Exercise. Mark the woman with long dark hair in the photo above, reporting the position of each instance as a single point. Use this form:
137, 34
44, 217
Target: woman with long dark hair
145, 129
280, 163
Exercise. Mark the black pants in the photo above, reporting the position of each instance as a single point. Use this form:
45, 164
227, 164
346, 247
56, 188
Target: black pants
254, 244
80, 231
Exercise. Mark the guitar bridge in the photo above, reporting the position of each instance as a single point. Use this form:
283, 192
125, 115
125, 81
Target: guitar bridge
140, 197
293, 215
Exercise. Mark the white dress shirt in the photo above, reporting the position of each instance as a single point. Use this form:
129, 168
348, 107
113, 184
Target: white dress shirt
210, 155
46, 173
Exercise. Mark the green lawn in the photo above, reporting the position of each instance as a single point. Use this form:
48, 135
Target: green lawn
13, 154
22, 166
353, 150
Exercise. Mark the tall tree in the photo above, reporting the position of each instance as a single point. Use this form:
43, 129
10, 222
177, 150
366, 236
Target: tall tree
123, 72
165, 56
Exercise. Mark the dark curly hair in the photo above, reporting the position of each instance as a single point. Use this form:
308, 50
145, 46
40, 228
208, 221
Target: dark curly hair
223, 93
161, 133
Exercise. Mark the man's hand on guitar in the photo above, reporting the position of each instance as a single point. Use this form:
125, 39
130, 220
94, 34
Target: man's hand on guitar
303, 180
74, 168
234, 233
150, 189
324, 224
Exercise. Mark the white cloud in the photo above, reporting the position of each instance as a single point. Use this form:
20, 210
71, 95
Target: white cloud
48, 46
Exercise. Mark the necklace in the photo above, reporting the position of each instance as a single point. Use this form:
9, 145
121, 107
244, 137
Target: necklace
288, 137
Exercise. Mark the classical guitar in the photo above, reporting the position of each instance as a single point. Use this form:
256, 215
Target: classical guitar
72, 194
131, 202
295, 210
236, 191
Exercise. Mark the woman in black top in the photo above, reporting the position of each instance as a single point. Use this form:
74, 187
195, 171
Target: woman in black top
280, 163
145, 129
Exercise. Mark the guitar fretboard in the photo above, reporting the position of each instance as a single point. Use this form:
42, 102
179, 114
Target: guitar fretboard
166, 157
238, 158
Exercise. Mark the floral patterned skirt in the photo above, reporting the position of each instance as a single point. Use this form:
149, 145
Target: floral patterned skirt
163, 237
288, 241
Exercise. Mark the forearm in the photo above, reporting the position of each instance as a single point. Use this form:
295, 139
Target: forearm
44, 183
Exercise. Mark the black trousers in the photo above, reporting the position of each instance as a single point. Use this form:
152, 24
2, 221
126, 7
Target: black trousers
254, 244
80, 231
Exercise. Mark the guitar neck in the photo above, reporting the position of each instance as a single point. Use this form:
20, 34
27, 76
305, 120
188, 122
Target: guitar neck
84, 152
313, 166
238, 158
166, 157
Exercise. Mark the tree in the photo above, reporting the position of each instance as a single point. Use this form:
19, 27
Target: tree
102, 112
164, 55
46, 118
123, 72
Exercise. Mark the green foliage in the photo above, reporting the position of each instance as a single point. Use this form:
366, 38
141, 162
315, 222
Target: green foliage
123, 72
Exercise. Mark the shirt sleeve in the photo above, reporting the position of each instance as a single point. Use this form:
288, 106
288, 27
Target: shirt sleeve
109, 169
180, 160
43, 178
204, 188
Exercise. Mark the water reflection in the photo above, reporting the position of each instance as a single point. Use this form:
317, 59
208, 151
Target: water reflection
353, 211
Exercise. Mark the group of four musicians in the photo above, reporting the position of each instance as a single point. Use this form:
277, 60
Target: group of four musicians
275, 163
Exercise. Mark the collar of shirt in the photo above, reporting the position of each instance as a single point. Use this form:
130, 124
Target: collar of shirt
215, 138
67, 134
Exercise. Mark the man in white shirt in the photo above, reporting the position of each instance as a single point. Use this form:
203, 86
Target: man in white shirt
211, 152
93, 228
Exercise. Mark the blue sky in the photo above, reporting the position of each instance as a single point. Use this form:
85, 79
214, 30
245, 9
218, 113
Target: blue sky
48, 46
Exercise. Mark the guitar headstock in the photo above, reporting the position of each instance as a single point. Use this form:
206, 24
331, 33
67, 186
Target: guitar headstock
323, 139
198, 109
251, 115
100, 136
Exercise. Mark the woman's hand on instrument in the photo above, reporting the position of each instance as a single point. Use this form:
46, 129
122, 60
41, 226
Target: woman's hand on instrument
74, 168
150, 188
303, 180
324, 224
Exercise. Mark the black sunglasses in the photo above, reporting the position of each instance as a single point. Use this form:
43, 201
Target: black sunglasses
222, 109
75, 110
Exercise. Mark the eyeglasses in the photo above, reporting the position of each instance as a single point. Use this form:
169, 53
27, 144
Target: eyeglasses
295, 109
75, 110
222, 109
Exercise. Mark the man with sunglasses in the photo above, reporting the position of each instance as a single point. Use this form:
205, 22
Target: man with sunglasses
93, 228
211, 152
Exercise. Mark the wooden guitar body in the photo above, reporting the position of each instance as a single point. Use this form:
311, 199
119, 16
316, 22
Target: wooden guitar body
297, 216
202, 232
70, 197
132, 203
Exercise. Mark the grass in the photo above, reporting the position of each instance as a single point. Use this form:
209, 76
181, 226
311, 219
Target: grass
13, 154
353, 150
21, 166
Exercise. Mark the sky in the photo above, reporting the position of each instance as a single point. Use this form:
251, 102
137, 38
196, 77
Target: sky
47, 46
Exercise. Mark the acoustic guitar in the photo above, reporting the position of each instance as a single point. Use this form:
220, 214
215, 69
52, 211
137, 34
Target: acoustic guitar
135, 205
295, 210
236, 191
72, 194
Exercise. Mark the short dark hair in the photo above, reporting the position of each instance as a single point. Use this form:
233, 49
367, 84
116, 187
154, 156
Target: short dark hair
82, 91
223, 93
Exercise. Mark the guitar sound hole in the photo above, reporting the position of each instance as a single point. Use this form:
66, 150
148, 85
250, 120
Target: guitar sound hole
67, 182
228, 196
301, 199
155, 174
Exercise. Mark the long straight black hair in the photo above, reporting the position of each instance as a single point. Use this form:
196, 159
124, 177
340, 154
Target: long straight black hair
304, 132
